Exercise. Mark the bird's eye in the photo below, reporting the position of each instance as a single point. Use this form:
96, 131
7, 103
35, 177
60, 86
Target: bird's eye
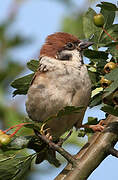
70, 46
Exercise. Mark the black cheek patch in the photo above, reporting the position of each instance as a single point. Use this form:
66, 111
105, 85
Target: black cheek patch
64, 57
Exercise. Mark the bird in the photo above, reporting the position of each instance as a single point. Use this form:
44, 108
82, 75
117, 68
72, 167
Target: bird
61, 80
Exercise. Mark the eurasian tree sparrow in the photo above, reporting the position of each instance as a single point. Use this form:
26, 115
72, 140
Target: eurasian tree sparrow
61, 80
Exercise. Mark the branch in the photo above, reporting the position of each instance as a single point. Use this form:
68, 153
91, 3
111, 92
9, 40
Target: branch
59, 149
94, 152
113, 152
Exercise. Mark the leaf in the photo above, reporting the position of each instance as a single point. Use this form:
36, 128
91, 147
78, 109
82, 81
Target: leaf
33, 65
22, 84
19, 142
88, 26
113, 76
32, 124
92, 120
92, 76
108, 6
92, 69
69, 110
15, 168
108, 16
92, 54
113, 32
113, 49
110, 45
88, 131
51, 157
96, 91
96, 100
110, 110
81, 133
40, 157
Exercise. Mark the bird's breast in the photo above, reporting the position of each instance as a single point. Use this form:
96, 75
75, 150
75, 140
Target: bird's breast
56, 89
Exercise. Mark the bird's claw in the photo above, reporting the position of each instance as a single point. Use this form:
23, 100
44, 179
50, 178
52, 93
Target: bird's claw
44, 132
97, 127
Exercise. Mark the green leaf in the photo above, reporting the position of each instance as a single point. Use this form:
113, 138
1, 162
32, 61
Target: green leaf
96, 100
69, 110
92, 120
108, 6
113, 76
92, 54
113, 32
96, 91
111, 44
15, 168
110, 110
32, 124
22, 84
81, 133
92, 76
65, 111
108, 16
113, 49
88, 26
33, 65
88, 131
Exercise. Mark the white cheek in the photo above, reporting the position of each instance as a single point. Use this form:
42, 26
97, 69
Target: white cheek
76, 55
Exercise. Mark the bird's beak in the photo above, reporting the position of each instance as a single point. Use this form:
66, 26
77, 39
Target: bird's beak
85, 44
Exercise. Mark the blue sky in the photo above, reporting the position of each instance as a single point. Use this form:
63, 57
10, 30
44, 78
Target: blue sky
37, 19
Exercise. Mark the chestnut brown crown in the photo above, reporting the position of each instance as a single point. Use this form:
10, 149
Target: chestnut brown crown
56, 42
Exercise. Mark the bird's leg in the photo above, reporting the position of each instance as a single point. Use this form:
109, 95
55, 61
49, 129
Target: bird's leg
97, 127
44, 132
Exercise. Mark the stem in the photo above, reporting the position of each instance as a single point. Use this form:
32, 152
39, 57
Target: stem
108, 34
18, 125
113, 152
59, 149
11, 135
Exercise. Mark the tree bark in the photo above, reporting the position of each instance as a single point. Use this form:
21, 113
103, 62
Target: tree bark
93, 152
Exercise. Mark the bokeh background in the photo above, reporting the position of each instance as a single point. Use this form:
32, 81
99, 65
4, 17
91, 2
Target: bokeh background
24, 25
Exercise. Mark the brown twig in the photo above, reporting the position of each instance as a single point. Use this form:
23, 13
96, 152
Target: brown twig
59, 149
113, 152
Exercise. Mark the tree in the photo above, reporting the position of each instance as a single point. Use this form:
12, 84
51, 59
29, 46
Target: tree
103, 72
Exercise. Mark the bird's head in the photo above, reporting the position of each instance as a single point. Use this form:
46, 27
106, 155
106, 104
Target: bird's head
63, 46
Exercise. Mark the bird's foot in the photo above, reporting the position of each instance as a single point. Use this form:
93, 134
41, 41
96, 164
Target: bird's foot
97, 127
44, 132
45, 135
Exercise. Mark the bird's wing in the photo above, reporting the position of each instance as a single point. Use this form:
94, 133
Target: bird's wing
44, 66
